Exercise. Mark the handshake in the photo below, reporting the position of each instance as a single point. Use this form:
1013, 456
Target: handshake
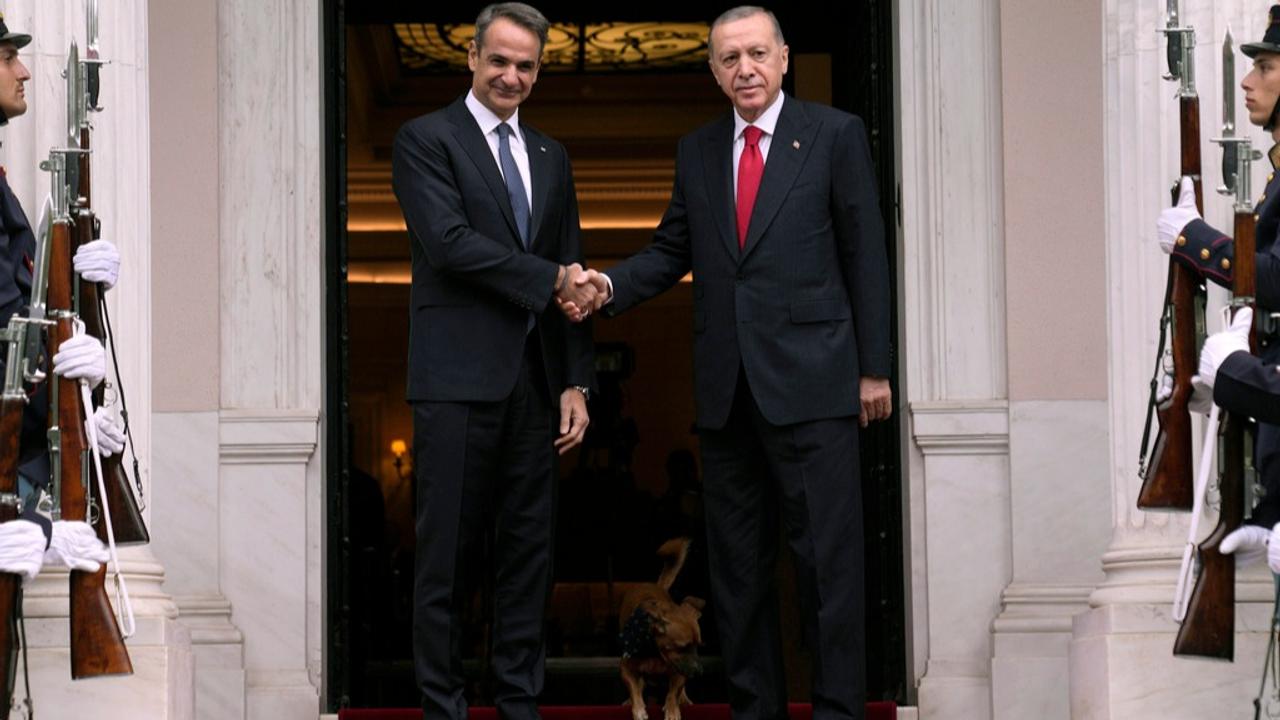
580, 292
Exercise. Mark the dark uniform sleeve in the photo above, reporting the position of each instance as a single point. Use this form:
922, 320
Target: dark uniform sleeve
1207, 251
1245, 385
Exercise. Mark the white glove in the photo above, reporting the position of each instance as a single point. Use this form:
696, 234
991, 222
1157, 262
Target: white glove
1249, 543
81, 356
1172, 220
1273, 549
75, 545
99, 262
110, 434
21, 548
1201, 400
1218, 346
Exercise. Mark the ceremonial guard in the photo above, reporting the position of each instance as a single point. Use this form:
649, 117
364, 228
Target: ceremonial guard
1184, 234
34, 537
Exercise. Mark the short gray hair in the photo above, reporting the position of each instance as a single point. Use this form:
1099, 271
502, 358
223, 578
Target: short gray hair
746, 11
526, 16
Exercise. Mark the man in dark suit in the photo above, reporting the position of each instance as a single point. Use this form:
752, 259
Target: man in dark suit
498, 379
774, 210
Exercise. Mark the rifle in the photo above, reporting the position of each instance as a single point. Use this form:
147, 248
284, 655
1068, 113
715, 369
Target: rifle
1166, 472
1208, 630
97, 646
13, 402
126, 514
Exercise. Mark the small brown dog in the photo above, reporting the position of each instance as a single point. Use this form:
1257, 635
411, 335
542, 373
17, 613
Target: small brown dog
659, 637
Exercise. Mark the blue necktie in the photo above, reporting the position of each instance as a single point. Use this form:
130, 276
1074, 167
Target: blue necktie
515, 185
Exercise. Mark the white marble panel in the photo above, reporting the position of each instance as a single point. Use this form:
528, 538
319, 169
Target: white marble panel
271, 214
1123, 668
185, 525
264, 541
968, 549
161, 686
952, 214
269, 510
1058, 454
955, 697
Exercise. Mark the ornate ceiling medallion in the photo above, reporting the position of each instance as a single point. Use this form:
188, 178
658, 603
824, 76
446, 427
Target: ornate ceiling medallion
428, 48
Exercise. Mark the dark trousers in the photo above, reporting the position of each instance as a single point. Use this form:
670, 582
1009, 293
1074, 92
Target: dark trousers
805, 475
484, 468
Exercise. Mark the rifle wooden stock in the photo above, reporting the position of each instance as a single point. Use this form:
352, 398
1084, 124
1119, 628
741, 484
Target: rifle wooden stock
1170, 482
97, 647
126, 516
10, 584
1209, 628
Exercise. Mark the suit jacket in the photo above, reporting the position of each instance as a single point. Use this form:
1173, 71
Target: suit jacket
474, 284
803, 309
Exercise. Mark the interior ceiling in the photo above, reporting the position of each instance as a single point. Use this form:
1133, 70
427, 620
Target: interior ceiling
571, 47
619, 126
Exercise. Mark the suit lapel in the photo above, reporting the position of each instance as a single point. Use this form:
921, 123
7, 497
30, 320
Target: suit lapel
788, 148
540, 176
717, 159
477, 148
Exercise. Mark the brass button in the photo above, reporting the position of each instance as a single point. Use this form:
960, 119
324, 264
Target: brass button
1226, 264
1271, 177
1182, 240
1255, 217
1262, 199
1204, 254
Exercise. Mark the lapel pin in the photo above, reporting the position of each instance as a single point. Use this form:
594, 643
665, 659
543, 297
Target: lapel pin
543, 148
795, 144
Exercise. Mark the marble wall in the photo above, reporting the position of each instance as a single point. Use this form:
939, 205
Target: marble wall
1032, 170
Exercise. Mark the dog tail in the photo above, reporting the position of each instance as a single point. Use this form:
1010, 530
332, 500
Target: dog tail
674, 551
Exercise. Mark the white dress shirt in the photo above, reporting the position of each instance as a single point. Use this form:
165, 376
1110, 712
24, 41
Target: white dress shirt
489, 123
767, 122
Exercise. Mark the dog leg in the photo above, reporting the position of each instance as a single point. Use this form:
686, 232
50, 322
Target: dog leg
684, 697
635, 684
671, 711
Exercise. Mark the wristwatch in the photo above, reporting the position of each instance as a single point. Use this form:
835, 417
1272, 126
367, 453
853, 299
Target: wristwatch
586, 391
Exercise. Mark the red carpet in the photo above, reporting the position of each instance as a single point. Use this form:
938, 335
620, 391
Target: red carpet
875, 711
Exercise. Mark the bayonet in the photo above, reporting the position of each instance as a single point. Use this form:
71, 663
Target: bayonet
1238, 154
92, 58
1182, 44
38, 308
1231, 145
75, 114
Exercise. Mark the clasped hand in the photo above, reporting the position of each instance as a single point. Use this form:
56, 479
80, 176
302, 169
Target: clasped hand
582, 292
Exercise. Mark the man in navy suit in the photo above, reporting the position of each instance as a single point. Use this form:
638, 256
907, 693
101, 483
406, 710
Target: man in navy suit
774, 210
498, 378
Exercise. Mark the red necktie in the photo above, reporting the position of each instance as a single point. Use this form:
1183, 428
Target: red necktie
750, 168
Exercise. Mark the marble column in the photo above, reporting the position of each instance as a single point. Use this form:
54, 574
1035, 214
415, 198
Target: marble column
948, 76
161, 686
1121, 649
271, 347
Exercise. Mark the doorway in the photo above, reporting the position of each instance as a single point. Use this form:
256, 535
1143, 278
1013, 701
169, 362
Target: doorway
634, 483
